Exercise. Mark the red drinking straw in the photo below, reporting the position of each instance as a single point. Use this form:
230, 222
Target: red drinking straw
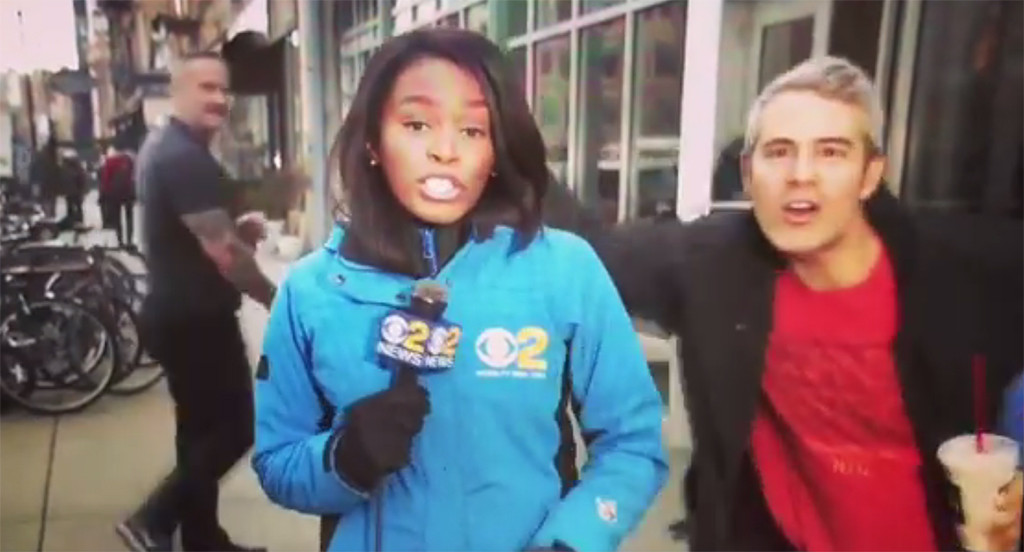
978, 367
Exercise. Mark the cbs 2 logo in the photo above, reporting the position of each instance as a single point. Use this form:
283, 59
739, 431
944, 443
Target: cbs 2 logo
499, 348
419, 337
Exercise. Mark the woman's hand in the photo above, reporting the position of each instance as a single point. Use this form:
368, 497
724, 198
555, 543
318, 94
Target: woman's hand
1005, 532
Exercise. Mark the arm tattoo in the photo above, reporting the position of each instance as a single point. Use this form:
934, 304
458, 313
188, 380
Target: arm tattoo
233, 257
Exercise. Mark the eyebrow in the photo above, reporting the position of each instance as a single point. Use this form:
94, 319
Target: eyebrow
835, 141
828, 140
416, 99
421, 99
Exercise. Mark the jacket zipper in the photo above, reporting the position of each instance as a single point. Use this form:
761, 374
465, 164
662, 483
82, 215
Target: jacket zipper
429, 250
430, 255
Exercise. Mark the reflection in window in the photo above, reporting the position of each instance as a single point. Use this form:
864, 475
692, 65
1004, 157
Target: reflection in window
661, 35
516, 12
551, 102
363, 11
601, 51
451, 21
727, 178
783, 46
517, 58
965, 145
476, 18
550, 12
595, 5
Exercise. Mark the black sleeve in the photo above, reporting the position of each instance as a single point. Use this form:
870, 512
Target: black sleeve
643, 257
192, 184
564, 211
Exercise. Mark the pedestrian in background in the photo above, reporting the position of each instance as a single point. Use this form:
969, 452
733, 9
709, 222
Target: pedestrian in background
73, 186
45, 176
117, 195
199, 261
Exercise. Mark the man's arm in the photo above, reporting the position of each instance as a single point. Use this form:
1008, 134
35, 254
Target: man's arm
194, 185
234, 258
643, 257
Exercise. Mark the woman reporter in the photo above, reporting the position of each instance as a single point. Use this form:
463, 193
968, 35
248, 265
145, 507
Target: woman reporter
443, 173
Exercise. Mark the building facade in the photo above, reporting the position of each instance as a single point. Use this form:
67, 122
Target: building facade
639, 101
133, 44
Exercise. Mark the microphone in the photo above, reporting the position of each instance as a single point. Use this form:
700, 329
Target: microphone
429, 299
418, 339
415, 340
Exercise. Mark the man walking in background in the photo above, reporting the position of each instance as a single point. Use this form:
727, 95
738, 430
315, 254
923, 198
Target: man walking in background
73, 185
199, 265
45, 175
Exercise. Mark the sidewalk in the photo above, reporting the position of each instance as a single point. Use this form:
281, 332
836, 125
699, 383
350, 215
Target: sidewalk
66, 481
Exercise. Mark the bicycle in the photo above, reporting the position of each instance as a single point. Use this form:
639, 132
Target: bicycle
52, 347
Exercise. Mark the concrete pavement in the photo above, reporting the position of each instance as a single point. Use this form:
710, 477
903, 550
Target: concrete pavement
65, 481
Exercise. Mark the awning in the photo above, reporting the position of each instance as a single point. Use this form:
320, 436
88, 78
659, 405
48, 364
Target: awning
255, 64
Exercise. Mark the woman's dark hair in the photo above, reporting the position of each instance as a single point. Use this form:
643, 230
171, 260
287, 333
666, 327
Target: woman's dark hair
379, 228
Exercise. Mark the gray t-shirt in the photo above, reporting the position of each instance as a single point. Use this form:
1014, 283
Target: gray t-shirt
177, 175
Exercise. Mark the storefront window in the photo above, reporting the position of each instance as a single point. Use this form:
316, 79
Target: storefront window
602, 53
550, 12
551, 101
661, 39
783, 46
965, 144
476, 18
760, 40
517, 14
594, 5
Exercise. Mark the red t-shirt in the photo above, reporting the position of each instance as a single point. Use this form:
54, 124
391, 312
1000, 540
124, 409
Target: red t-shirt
832, 443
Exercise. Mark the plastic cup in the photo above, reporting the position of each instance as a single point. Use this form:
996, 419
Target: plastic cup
979, 476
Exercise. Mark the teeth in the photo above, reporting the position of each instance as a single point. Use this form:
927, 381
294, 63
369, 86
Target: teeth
440, 188
800, 205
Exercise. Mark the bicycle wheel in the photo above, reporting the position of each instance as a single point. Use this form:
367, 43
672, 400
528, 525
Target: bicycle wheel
138, 372
15, 375
66, 349
122, 282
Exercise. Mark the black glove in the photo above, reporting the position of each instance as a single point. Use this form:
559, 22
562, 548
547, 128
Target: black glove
377, 438
557, 547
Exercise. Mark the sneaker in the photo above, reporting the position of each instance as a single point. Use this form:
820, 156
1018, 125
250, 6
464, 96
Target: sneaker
139, 538
680, 530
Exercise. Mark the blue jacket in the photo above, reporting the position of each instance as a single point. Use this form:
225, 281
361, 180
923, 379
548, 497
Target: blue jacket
483, 474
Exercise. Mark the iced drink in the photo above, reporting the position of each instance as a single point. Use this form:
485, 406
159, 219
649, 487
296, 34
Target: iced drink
980, 476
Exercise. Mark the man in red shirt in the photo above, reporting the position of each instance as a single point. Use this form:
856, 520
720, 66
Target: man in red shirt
826, 336
117, 195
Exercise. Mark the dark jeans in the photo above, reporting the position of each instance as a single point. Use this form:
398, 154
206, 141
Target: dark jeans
74, 214
124, 228
210, 381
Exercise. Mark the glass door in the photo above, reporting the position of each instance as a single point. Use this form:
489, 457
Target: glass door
785, 34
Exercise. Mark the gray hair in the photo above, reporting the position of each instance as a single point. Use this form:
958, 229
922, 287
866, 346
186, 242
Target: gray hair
830, 77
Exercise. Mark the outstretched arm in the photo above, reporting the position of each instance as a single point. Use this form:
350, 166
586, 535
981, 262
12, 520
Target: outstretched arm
643, 256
